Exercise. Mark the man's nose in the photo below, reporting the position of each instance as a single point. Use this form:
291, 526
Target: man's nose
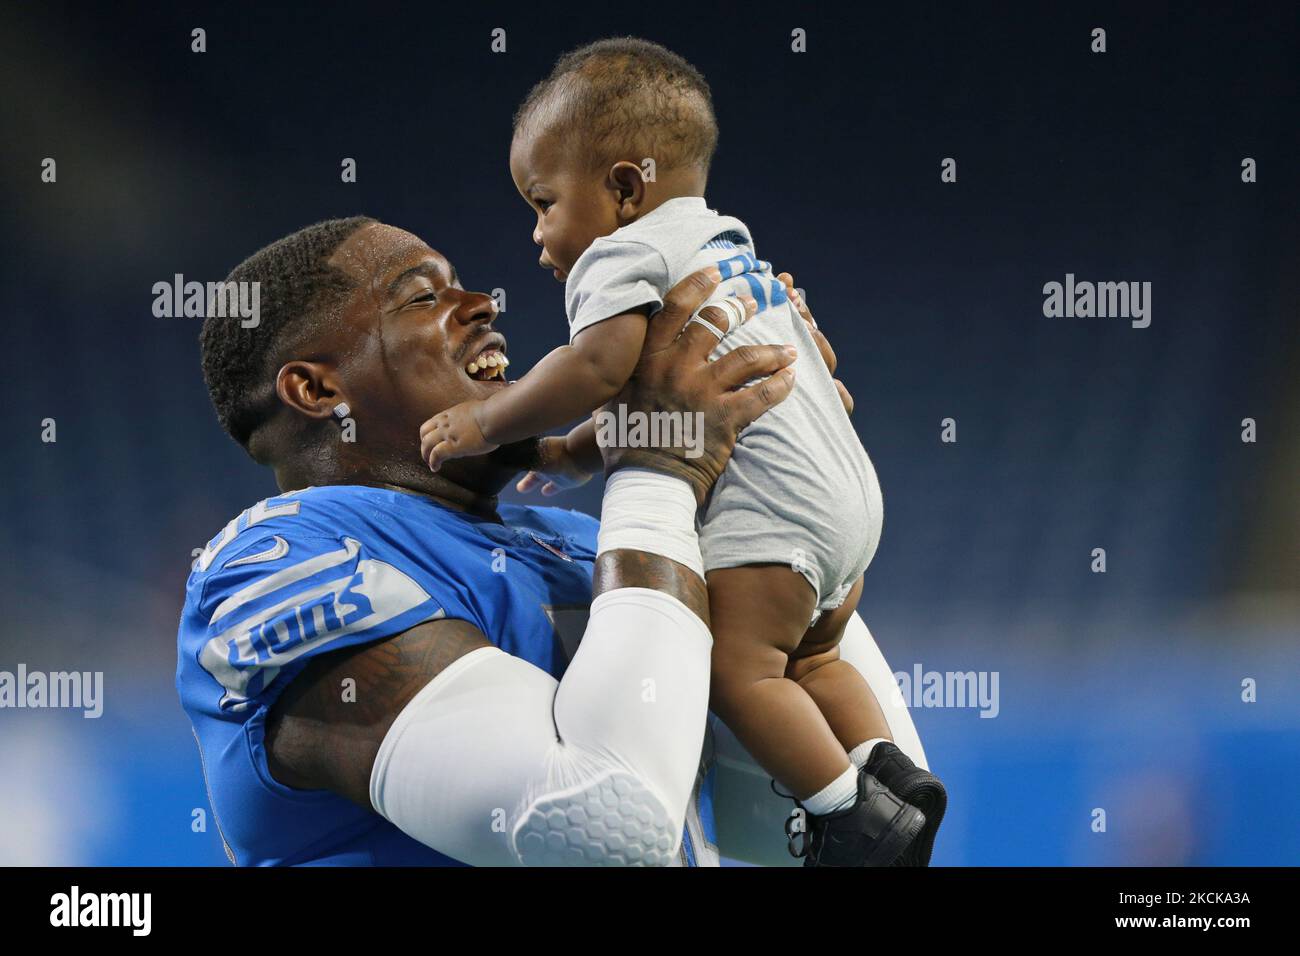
475, 307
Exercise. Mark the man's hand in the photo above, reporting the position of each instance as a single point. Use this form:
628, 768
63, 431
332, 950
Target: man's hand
674, 375
454, 433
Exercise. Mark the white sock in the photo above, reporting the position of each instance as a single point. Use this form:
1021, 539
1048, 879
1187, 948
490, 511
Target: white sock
862, 752
836, 795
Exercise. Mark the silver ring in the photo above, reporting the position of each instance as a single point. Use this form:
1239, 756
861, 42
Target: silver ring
734, 310
696, 320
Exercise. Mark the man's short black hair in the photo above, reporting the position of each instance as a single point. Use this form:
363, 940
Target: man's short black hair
298, 290
626, 99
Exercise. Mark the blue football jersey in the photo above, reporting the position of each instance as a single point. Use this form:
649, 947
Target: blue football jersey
321, 569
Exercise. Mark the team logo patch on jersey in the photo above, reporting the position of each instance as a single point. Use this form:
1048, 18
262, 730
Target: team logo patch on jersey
277, 619
549, 547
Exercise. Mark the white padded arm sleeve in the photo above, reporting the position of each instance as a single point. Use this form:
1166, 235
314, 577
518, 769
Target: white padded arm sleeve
750, 817
495, 763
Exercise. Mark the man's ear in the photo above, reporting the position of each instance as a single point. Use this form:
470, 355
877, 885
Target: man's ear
627, 184
309, 388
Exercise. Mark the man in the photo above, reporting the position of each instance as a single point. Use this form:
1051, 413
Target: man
376, 662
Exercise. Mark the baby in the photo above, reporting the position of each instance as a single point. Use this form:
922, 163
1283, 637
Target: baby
612, 152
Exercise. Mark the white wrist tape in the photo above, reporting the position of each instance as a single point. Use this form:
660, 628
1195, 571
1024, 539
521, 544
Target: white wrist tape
648, 511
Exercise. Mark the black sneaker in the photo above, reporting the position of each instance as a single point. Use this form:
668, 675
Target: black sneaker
875, 831
913, 785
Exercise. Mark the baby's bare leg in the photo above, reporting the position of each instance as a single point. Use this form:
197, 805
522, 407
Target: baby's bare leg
839, 690
759, 615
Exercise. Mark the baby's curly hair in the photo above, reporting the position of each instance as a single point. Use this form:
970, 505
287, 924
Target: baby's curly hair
625, 99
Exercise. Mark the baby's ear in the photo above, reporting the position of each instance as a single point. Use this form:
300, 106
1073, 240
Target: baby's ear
627, 183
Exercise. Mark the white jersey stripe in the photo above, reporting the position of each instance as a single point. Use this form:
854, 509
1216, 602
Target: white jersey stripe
286, 577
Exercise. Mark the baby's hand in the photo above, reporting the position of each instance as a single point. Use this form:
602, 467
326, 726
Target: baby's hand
557, 467
454, 433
